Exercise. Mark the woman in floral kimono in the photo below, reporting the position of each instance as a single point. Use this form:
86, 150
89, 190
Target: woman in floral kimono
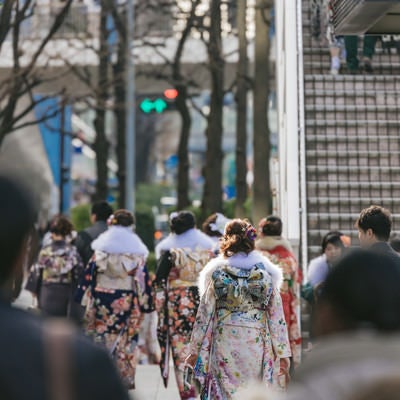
116, 292
279, 251
240, 333
58, 268
183, 254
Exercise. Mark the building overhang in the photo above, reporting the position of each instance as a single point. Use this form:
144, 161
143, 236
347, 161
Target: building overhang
370, 17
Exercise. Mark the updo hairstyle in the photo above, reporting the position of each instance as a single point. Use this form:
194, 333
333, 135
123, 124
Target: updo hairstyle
271, 226
61, 225
122, 218
181, 221
239, 237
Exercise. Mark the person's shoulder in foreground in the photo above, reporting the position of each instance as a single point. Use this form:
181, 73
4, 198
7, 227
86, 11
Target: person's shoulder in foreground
24, 338
357, 326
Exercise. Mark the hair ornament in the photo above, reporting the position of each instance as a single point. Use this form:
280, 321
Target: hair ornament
112, 220
251, 232
173, 215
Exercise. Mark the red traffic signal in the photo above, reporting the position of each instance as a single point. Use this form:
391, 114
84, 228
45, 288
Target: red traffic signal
171, 94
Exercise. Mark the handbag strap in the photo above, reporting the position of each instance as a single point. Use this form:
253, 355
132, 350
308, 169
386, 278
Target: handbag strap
59, 369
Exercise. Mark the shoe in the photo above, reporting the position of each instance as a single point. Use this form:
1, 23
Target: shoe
334, 71
368, 66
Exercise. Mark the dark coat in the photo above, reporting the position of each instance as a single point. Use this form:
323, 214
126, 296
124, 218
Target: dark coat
22, 368
85, 239
385, 248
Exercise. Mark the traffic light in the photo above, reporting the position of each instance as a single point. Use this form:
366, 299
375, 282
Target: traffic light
159, 103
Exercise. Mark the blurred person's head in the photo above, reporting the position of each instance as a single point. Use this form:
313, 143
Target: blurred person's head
17, 219
60, 227
362, 291
214, 225
374, 225
181, 221
121, 218
100, 211
270, 226
239, 237
382, 389
332, 246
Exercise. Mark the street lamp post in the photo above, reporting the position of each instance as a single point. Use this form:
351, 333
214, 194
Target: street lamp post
130, 112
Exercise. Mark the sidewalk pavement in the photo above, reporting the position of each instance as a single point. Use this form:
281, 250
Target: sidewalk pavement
149, 385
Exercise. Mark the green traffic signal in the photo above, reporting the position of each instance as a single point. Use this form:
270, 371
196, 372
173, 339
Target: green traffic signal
157, 105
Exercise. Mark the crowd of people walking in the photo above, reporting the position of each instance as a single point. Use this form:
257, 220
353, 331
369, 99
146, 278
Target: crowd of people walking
225, 310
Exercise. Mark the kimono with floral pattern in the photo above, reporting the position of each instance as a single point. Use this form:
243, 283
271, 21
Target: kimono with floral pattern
279, 252
177, 300
240, 331
59, 262
116, 291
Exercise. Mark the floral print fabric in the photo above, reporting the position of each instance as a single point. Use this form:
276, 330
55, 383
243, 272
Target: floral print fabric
279, 255
60, 263
113, 316
240, 332
177, 300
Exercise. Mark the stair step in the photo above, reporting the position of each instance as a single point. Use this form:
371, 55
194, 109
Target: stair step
351, 108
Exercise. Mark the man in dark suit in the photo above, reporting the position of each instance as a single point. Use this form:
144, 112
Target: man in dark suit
374, 225
99, 214
37, 361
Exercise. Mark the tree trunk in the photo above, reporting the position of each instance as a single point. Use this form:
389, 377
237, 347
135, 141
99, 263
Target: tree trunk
120, 119
183, 156
241, 112
261, 139
101, 144
212, 195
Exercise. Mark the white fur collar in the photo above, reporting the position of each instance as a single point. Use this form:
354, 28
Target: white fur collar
193, 238
120, 240
242, 261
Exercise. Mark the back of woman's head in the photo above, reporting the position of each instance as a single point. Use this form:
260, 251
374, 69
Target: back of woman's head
362, 291
61, 225
333, 237
239, 237
214, 225
181, 221
122, 218
17, 218
270, 226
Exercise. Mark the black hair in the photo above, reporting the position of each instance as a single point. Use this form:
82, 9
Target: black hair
207, 228
102, 210
271, 226
363, 291
378, 219
182, 221
123, 218
332, 237
17, 218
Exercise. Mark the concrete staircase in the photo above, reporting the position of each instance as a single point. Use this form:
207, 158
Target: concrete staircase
352, 138
352, 130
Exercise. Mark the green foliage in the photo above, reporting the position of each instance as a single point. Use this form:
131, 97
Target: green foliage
150, 194
145, 225
80, 216
152, 262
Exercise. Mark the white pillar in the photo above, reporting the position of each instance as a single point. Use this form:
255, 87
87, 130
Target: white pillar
288, 116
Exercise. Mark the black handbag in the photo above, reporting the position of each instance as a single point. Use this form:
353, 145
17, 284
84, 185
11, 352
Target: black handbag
34, 281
